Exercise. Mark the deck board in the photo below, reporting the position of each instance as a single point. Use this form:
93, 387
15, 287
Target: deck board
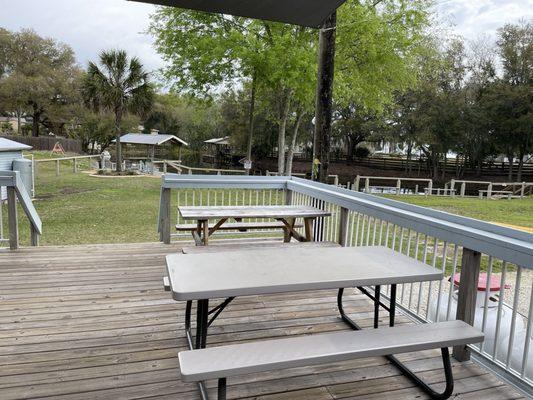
93, 322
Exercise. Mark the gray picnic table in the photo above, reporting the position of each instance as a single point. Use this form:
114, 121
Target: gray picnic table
206, 276
285, 215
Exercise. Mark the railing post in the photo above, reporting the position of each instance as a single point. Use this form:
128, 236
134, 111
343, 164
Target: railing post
34, 238
489, 191
452, 187
57, 167
288, 197
430, 187
343, 227
164, 224
12, 216
367, 185
75, 165
466, 301
522, 190
398, 187
463, 189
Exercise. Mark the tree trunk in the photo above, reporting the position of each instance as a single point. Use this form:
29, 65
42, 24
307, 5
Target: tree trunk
36, 116
290, 155
284, 116
18, 122
324, 98
251, 121
351, 148
510, 157
408, 158
520, 167
118, 121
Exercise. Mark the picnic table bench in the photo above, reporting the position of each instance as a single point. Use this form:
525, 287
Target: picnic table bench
284, 218
200, 277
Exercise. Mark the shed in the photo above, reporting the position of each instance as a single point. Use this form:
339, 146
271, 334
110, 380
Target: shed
9, 152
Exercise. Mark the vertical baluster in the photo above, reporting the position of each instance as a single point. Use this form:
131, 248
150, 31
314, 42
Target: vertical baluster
417, 242
357, 229
513, 318
486, 301
394, 237
525, 357
425, 253
374, 231
434, 265
444, 259
362, 230
368, 229
387, 235
408, 253
351, 218
499, 315
452, 286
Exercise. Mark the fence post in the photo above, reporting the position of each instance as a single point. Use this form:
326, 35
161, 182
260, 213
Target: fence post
466, 301
343, 227
165, 166
356, 183
75, 165
367, 185
57, 167
452, 187
12, 216
489, 191
430, 187
522, 190
398, 187
164, 223
463, 189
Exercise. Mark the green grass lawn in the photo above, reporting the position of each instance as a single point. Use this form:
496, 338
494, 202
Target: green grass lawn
516, 212
79, 209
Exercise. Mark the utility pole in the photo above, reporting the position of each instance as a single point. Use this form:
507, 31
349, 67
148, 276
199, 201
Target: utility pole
324, 98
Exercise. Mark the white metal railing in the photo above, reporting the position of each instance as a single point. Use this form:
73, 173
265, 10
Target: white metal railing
452, 243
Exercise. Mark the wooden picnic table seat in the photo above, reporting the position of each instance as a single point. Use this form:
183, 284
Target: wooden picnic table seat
262, 356
238, 226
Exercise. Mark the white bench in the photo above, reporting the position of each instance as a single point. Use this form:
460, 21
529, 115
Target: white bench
254, 357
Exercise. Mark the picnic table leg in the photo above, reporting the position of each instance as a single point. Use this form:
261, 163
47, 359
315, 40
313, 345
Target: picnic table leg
288, 234
308, 222
202, 310
206, 232
445, 353
377, 294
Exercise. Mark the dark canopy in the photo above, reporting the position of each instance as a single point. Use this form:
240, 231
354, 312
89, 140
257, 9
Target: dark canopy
311, 13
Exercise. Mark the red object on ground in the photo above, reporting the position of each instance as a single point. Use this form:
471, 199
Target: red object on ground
494, 285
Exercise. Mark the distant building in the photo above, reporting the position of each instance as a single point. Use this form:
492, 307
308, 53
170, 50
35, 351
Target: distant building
13, 122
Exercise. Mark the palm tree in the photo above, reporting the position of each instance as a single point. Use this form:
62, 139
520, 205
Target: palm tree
118, 85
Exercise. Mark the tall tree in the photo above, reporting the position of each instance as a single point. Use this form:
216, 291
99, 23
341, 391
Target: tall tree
38, 77
119, 85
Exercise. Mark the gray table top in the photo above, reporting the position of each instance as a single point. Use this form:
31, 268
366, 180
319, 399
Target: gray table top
219, 212
256, 272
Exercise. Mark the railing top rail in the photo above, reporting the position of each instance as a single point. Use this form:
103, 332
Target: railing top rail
66, 158
175, 181
506, 243
394, 178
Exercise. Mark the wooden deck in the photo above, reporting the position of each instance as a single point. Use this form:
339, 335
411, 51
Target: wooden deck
93, 322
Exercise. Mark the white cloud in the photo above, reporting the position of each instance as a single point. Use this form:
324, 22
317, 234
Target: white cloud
88, 26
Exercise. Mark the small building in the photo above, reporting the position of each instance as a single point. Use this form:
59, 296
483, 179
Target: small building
218, 152
140, 146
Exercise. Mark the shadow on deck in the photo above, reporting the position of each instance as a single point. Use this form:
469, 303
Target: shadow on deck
93, 322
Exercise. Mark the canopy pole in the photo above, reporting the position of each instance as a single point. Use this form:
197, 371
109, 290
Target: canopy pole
324, 98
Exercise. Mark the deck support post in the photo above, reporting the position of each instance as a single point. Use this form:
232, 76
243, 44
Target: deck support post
12, 216
466, 302
164, 223
343, 227
288, 197
34, 238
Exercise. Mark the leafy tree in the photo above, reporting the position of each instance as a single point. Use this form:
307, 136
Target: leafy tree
38, 77
119, 85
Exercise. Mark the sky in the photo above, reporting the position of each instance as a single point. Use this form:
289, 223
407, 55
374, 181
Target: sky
89, 26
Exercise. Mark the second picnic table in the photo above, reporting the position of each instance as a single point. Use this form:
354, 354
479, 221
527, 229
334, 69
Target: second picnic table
286, 214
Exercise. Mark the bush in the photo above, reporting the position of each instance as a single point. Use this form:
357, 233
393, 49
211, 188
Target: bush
361, 152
